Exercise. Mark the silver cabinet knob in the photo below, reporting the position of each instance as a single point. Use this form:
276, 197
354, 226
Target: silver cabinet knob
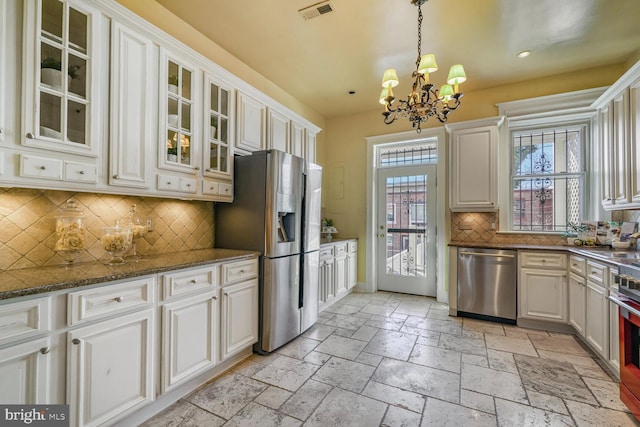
214, 298
81, 172
118, 299
45, 350
241, 271
197, 168
42, 168
75, 341
194, 281
30, 135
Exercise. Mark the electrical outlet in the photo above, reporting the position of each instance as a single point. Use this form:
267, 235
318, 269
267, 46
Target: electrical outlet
493, 225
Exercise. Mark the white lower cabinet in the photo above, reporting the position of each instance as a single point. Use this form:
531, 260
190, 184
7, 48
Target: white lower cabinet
577, 302
597, 332
24, 370
326, 292
110, 368
239, 316
340, 269
542, 286
189, 337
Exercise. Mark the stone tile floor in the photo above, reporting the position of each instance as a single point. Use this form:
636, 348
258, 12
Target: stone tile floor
389, 359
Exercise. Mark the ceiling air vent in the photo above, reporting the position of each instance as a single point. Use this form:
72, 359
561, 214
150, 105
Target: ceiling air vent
316, 10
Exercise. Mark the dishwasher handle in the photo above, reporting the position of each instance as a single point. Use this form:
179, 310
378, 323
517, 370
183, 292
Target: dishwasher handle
487, 254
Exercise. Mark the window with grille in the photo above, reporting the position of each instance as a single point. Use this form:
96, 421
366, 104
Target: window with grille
548, 173
407, 155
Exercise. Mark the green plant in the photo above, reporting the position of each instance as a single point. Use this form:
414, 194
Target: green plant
327, 222
56, 64
172, 150
173, 80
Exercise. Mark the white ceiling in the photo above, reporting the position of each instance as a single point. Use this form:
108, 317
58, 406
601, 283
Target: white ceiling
320, 60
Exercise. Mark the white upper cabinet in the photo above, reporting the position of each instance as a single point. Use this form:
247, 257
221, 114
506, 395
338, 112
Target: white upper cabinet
179, 96
131, 125
474, 171
278, 135
61, 77
219, 131
634, 138
250, 122
310, 146
619, 123
298, 136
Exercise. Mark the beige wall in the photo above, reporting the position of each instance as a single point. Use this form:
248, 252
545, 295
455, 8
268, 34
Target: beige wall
345, 145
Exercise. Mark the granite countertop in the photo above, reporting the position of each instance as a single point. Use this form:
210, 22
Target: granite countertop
602, 253
31, 281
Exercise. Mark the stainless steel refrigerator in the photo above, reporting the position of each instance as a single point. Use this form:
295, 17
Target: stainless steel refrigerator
276, 211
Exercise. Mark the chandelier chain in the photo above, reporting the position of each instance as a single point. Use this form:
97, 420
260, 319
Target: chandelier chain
419, 34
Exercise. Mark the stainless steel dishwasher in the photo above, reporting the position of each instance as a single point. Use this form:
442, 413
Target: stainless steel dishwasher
487, 284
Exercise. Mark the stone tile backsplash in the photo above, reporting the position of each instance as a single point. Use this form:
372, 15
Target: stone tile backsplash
475, 227
27, 224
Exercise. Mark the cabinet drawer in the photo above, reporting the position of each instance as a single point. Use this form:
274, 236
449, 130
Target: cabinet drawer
168, 183
326, 252
188, 185
109, 300
40, 167
239, 271
597, 273
80, 172
340, 250
225, 189
578, 265
210, 188
19, 320
352, 247
190, 280
543, 259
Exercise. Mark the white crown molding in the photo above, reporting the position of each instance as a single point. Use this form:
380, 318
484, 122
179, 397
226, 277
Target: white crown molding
545, 104
631, 75
470, 124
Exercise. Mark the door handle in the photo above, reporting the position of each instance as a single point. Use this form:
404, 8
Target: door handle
381, 235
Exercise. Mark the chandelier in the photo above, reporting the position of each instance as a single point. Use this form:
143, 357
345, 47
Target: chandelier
424, 101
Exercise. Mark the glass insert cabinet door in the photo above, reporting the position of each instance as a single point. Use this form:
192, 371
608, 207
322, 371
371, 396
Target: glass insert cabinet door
218, 105
63, 71
178, 84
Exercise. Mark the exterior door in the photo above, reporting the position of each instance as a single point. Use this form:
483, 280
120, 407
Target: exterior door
406, 229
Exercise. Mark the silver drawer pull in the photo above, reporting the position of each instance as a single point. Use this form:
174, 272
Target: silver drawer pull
118, 299
194, 281
30, 135
75, 341
214, 298
45, 350
42, 168
81, 172
241, 271
116, 176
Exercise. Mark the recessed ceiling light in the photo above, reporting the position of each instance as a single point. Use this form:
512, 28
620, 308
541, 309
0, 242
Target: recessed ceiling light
524, 54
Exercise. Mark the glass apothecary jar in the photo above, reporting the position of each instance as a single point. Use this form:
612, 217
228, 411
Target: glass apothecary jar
116, 241
70, 232
138, 229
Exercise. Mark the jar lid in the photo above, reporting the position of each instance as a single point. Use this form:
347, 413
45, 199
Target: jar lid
71, 210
